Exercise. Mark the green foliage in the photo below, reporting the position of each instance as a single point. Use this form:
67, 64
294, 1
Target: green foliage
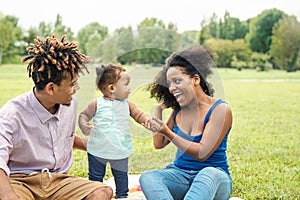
9, 33
151, 22
221, 50
145, 56
228, 28
84, 34
125, 39
259, 37
260, 62
44, 30
214, 26
152, 37
285, 48
227, 53
95, 41
240, 50
151, 44
109, 50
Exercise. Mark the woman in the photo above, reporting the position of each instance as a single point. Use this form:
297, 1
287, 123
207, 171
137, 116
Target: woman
199, 126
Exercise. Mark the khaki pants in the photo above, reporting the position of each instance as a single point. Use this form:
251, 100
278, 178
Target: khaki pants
51, 186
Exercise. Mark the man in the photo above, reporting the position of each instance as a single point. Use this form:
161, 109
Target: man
37, 129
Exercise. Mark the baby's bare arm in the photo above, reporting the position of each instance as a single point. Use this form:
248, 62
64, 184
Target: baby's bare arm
85, 116
138, 115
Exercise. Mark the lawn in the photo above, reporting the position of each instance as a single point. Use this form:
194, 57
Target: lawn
263, 146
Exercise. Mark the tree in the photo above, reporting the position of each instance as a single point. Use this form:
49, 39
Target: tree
155, 40
228, 53
109, 50
285, 48
30, 35
125, 39
229, 28
172, 38
232, 28
259, 37
45, 30
240, 28
11, 35
204, 32
222, 51
189, 38
151, 22
60, 29
125, 44
88, 30
260, 61
92, 44
6, 36
213, 26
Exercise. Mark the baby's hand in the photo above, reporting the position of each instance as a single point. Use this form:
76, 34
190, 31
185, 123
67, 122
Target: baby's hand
86, 128
153, 125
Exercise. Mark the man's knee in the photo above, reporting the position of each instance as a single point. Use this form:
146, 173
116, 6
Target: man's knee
103, 193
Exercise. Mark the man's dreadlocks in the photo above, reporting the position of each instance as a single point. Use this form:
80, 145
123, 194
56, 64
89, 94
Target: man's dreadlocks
49, 60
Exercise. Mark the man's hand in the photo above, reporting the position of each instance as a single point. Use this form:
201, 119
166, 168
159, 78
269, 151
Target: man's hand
6, 191
80, 143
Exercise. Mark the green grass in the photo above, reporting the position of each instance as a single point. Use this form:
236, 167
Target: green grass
263, 146
249, 74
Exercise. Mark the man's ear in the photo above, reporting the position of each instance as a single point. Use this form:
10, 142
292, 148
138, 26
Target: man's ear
111, 88
50, 88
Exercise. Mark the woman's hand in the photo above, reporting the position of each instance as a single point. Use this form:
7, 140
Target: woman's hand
156, 126
161, 106
153, 124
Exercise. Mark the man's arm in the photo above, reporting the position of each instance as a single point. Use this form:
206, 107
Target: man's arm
6, 191
80, 143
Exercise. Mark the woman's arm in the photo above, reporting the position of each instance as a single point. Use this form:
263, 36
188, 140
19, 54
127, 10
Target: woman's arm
160, 140
85, 116
219, 124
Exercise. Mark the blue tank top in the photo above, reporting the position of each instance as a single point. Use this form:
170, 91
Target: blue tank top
217, 159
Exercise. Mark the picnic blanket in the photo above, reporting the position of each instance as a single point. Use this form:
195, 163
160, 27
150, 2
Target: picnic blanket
135, 192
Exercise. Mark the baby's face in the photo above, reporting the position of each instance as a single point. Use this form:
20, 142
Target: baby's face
122, 89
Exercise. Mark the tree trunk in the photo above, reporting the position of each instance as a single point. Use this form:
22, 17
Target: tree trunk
293, 62
0, 55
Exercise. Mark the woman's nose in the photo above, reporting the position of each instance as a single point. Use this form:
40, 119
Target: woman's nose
171, 87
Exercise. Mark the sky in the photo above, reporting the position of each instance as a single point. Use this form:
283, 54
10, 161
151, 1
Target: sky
186, 14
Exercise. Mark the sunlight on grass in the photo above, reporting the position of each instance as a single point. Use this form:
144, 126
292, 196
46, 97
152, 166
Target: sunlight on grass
263, 146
